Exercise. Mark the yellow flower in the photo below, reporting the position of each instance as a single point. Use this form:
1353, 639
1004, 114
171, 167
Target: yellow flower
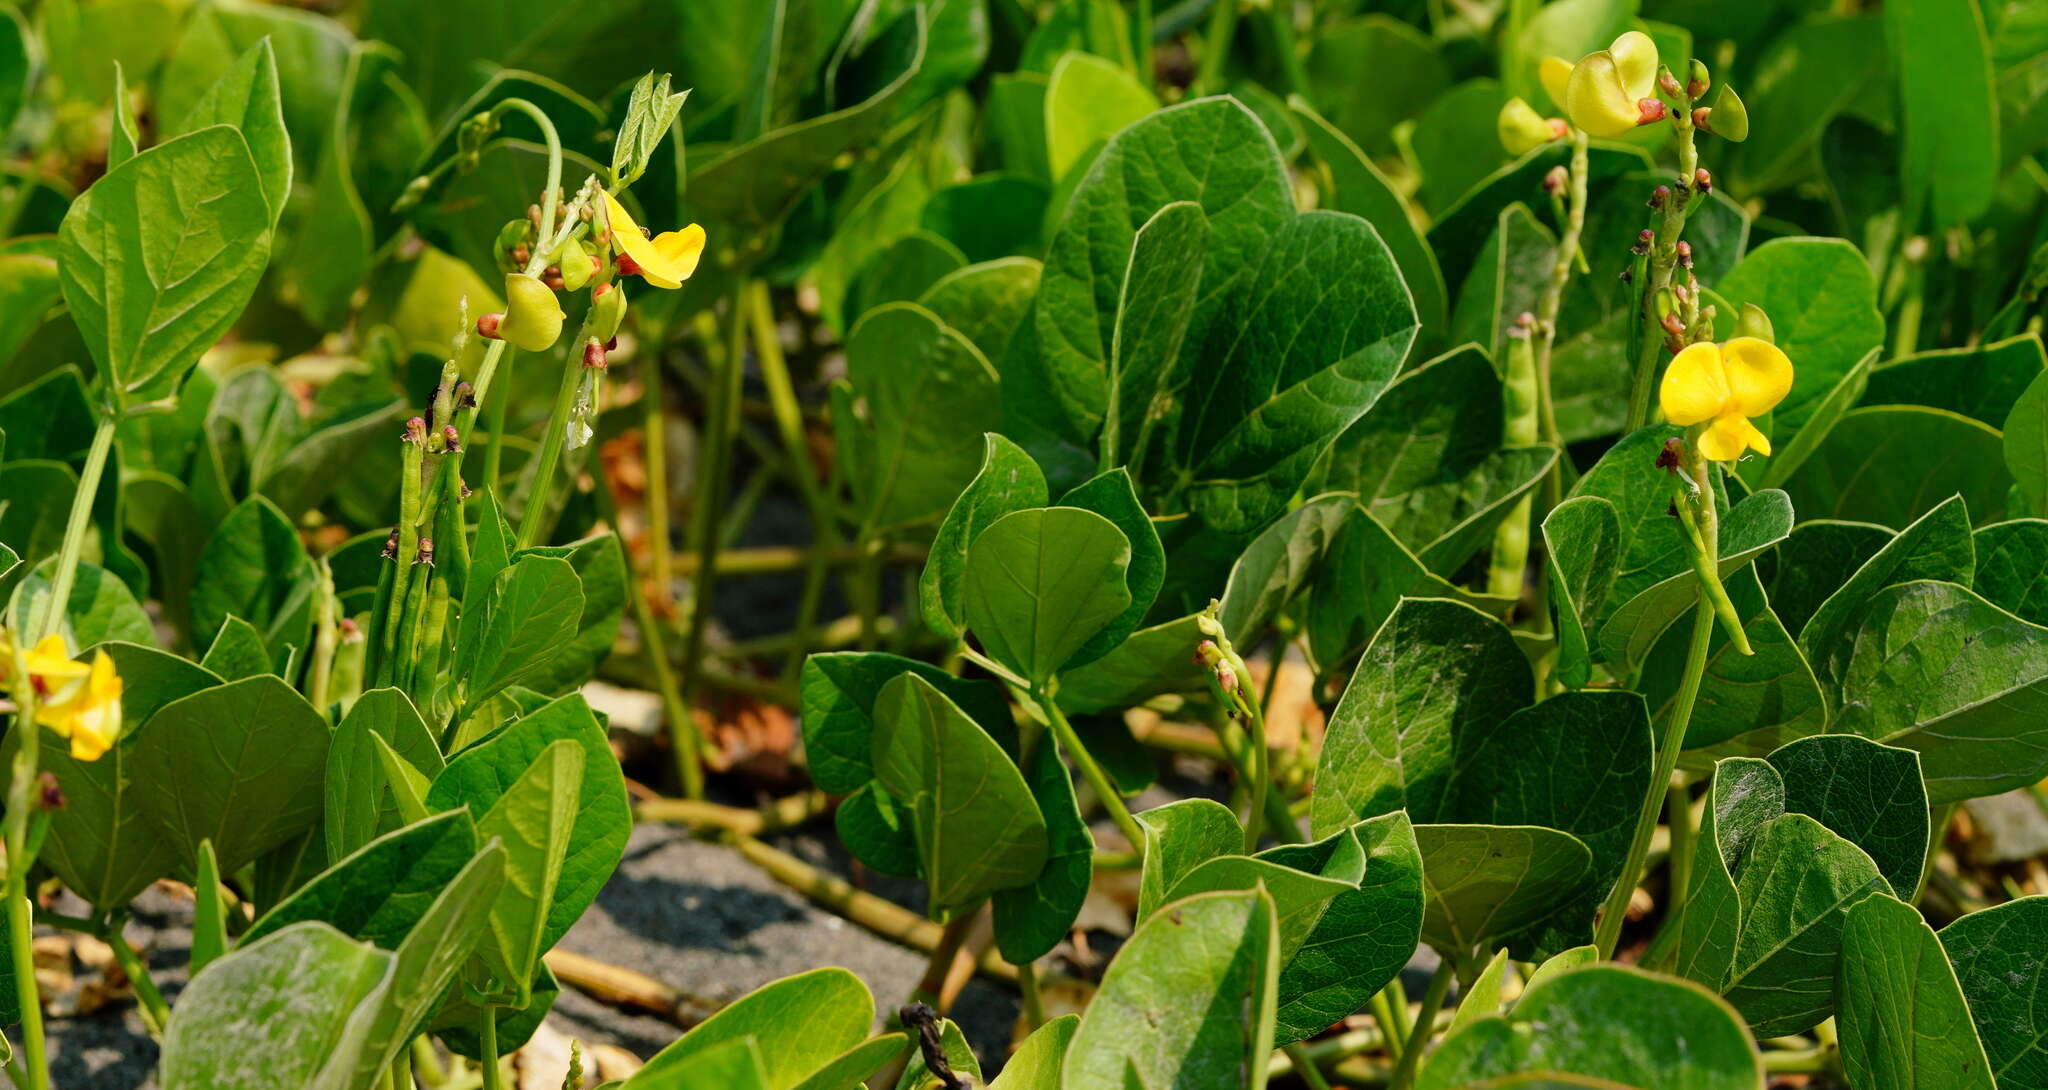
1522, 129
89, 710
664, 261
1723, 387
1602, 93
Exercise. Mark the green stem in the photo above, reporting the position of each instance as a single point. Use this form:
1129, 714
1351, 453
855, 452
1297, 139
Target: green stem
1216, 46
19, 939
1305, 1066
654, 457
682, 729
52, 615
1105, 788
1027, 987
550, 197
155, 1012
1678, 863
723, 427
487, 1037
426, 1063
494, 441
535, 517
1937, 831
1552, 299
1425, 1024
790, 425
1663, 262
16, 1073
1616, 910
1390, 1026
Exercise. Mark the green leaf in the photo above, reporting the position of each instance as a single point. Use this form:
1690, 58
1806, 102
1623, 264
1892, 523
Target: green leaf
1372, 73
1932, 667
1157, 304
864, 1060
839, 690
1036, 1063
1869, 794
1814, 562
1822, 300
1948, 149
2012, 567
479, 775
928, 394
533, 819
1367, 933
1483, 998
161, 254
1088, 101
1188, 1001
1112, 496
2026, 444
357, 803
209, 912
1982, 382
1748, 705
256, 568
1937, 546
1997, 962
1435, 672
1808, 75
436, 947
513, 628
1610, 1025
1358, 187
1008, 481
959, 1056
903, 271
1902, 1015
1744, 793
1485, 882
1759, 521
237, 651
1786, 457
1299, 897
239, 764
290, 1010
246, 97
1179, 837
1316, 335
650, 112
14, 69
1040, 584
985, 303
978, 828
378, 893
1795, 885
1582, 539
1030, 920
601, 571
1892, 464
1363, 575
100, 609
990, 217
801, 1023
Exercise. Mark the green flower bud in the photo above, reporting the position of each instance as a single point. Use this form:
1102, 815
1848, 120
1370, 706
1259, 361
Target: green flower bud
533, 317
1753, 322
513, 239
607, 311
574, 261
1522, 129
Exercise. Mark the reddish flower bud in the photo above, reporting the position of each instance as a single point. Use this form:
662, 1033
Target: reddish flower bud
593, 356
426, 553
1699, 119
451, 437
1556, 180
1659, 196
1684, 254
1671, 454
52, 795
416, 430
487, 326
1649, 109
1668, 83
1558, 128
1702, 180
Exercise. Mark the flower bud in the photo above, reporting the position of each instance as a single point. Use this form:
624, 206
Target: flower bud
1226, 678
465, 396
607, 310
1660, 196
51, 796
593, 355
1671, 455
513, 240
1649, 110
1753, 322
1684, 249
391, 545
1700, 116
533, 317
416, 430
1645, 238
1522, 129
450, 439
1666, 82
574, 262
1703, 181
426, 553
1555, 180
1697, 81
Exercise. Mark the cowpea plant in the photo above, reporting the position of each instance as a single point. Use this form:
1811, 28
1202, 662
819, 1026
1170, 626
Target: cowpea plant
1642, 483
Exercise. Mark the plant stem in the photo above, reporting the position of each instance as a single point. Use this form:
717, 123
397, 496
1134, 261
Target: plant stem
661, 569
155, 1012
1552, 299
1425, 1024
682, 728
1616, 909
19, 938
52, 616
1216, 46
1105, 788
1262, 778
487, 1036
1034, 1004
1390, 1026
1305, 1066
789, 424
936, 967
714, 463
494, 445
1663, 261
535, 516
1678, 862
549, 197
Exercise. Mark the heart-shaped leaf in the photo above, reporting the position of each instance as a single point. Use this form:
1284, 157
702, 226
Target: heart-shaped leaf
1895, 973
1041, 583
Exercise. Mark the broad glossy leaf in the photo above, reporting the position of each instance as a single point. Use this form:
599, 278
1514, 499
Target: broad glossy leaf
1036, 1063
1814, 562
801, 1023
1981, 382
985, 303
1112, 496
1892, 464
1031, 920
2012, 567
1299, 896
1358, 187
1902, 1015
433, 951
1613, 1025
1157, 303
381, 891
1188, 1001
246, 96
256, 568
1937, 546
291, 1010
601, 572
1437, 671
1807, 75
1088, 101
160, 255
1039, 584
903, 271
1997, 954
1316, 334
928, 393
1460, 232
978, 828
1744, 793
1583, 540
1154, 660
991, 217
1932, 667
239, 764
512, 627
1748, 705
1274, 568
533, 820
480, 774
1008, 481
863, 1060
1484, 882
1364, 574
358, 805
101, 608
1822, 300
1179, 837
237, 651
2026, 444
1869, 794
839, 690
1949, 110
1758, 522
1795, 885
1372, 73
1788, 455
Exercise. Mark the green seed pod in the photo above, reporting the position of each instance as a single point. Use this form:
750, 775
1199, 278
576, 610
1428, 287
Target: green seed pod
607, 312
1753, 322
1731, 118
533, 317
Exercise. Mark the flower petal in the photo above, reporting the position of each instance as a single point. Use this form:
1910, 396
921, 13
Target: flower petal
1521, 128
1695, 388
1759, 374
1635, 55
1556, 75
1726, 438
1595, 99
676, 254
51, 660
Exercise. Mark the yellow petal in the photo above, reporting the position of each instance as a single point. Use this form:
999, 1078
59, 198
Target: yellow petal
58, 715
1759, 374
1635, 56
1726, 438
616, 218
1521, 128
675, 257
51, 660
1595, 99
105, 684
533, 316
95, 730
1695, 388
1556, 75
